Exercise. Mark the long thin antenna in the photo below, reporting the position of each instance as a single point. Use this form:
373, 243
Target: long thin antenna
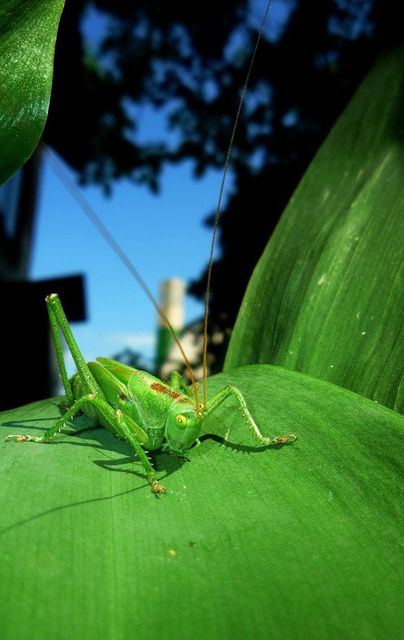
102, 229
220, 198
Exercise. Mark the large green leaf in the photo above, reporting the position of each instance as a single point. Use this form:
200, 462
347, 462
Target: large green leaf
27, 41
326, 297
297, 541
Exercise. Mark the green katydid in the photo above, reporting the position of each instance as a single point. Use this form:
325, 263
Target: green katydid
132, 404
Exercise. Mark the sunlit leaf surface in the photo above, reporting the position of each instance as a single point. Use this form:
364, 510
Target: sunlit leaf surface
326, 298
249, 542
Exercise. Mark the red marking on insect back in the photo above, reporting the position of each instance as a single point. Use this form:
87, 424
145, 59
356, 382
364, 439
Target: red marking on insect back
161, 388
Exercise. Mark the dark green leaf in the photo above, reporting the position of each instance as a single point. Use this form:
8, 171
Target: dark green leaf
326, 297
27, 42
249, 542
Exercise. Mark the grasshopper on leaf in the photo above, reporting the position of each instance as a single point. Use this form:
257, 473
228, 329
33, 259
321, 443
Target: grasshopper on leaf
133, 404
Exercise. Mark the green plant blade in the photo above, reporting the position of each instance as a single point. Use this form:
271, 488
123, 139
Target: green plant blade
27, 42
247, 543
326, 297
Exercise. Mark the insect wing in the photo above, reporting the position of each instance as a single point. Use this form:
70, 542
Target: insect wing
116, 394
115, 391
147, 399
111, 387
122, 372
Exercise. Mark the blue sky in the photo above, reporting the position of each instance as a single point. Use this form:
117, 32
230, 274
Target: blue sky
163, 235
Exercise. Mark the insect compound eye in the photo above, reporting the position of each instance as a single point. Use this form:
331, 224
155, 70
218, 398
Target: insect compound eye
181, 421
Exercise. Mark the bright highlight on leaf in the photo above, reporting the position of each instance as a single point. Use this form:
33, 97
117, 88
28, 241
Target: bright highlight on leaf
327, 296
27, 41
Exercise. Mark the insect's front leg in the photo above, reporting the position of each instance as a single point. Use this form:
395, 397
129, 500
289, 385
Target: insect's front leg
232, 390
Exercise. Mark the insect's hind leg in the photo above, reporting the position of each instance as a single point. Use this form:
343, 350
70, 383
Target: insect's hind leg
93, 394
232, 390
107, 416
59, 351
58, 320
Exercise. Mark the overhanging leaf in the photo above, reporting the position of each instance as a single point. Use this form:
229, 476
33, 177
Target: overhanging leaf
262, 542
27, 41
326, 297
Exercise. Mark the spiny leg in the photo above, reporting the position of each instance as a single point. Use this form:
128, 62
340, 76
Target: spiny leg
232, 390
59, 353
108, 417
57, 319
